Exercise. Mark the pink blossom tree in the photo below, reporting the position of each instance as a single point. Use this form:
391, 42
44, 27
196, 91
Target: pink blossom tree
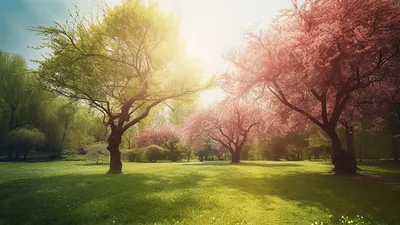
167, 137
229, 124
318, 57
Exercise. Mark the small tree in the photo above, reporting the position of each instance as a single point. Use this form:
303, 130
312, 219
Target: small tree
97, 153
229, 123
167, 137
25, 140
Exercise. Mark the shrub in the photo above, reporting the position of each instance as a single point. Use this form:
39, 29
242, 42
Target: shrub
132, 156
129, 154
81, 150
97, 152
154, 153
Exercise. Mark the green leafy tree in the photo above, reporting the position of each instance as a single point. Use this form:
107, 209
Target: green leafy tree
21, 101
24, 140
124, 64
318, 144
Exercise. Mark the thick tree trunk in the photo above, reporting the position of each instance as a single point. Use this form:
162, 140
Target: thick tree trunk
113, 147
350, 146
344, 162
174, 155
236, 156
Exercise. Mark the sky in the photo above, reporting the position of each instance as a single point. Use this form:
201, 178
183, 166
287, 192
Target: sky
209, 27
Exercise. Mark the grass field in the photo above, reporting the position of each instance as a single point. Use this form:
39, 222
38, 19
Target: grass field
209, 193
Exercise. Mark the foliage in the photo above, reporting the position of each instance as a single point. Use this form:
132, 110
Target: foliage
167, 136
229, 124
321, 60
97, 152
25, 140
154, 153
124, 64
130, 155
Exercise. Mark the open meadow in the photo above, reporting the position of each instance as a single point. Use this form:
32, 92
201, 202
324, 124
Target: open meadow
195, 193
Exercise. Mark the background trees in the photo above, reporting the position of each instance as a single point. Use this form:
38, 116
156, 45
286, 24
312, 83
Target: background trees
323, 80
320, 56
123, 65
167, 137
28, 114
228, 123
23, 140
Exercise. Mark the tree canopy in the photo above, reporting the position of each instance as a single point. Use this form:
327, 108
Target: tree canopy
123, 64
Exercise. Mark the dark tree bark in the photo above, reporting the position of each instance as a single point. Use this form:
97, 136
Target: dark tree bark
114, 141
10, 153
25, 153
344, 162
394, 141
174, 154
16, 155
236, 156
395, 151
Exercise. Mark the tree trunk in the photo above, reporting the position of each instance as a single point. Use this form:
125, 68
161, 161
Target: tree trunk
174, 155
16, 155
350, 146
114, 140
236, 156
395, 152
298, 156
25, 153
12, 116
10, 153
344, 162
10, 126
394, 142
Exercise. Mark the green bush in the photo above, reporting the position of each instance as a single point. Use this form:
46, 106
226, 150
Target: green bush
154, 153
24, 140
132, 156
129, 155
97, 153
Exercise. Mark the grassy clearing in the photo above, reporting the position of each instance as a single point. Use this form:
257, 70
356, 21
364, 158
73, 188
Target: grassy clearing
209, 193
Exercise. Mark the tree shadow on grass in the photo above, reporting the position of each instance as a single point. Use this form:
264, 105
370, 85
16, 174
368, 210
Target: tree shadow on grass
338, 195
227, 163
97, 199
93, 164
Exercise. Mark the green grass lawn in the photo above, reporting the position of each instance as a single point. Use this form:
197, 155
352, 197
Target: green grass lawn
209, 193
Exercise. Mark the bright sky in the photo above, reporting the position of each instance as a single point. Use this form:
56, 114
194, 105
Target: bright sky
209, 27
